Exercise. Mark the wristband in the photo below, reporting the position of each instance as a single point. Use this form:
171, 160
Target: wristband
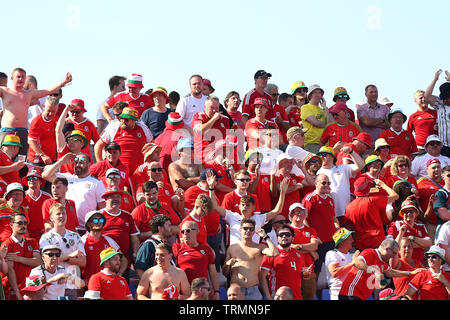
266, 237
216, 291
212, 188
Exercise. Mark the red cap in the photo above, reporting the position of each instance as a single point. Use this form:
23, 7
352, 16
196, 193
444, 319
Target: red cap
208, 83
432, 160
365, 138
338, 107
79, 104
111, 190
261, 101
362, 186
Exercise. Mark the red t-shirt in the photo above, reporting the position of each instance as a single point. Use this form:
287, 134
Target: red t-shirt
321, 215
226, 177
99, 169
295, 116
34, 206
401, 144
141, 103
142, 215
12, 176
422, 123
392, 179
304, 235
111, 287
401, 283
285, 270
428, 287
262, 192
426, 188
232, 199
93, 248
5, 212
43, 133
90, 132
249, 110
202, 231
281, 112
359, 283
194, 261
212, 219
71, 211
335, 132
368, 216
250, 126
291, 197
26, 250
209, 137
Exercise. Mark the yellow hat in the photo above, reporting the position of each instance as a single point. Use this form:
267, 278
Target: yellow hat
107, 254
296, 85
326, 149
340, 235
11, 140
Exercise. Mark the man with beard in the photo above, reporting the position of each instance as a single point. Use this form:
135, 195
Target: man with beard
163, 281
85, 190
131, 135
108, 282
192, 103
286, 269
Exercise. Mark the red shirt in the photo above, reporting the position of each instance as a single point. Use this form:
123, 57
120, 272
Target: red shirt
165, 194
262, 192
226, 177
111, 287
359, 283
368, 216
249, 110
401, 283
426, 188
422, 123
209, 137
212, 219
42, 132
202, 232
281, 112
392, 179
285, 270
26, 250
428, 287
335, 132
194, 261
71, 211
291, 197
140, 175
12, 176
418, 231
99, 169
93, 248
401, 144
120, 227
232, 199
90, 132
250, 126
5, 212
141, 103
142, 215
321, 215
237, 119
168, 141
34, 206
295, 116
304, 235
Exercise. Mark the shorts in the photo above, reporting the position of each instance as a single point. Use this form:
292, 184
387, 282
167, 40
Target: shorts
252, 293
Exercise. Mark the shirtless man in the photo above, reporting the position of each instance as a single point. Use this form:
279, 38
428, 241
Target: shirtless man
163, 281
184, 172
16, 101
244, 259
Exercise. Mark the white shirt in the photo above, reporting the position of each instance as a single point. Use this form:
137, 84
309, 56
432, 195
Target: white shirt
68, 244
336, 257
54, 290
269, 159
188, 106
33, 111
297, 153
234, 221
100, 115
419, 164
444, 238
85, 192
340, 186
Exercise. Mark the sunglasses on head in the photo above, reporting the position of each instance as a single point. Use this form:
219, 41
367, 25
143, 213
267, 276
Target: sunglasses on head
186, 231
156, 169
53, 254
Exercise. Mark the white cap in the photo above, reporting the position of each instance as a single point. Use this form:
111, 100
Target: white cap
296, 205
112, 170
433, 137
14, 186
283, 156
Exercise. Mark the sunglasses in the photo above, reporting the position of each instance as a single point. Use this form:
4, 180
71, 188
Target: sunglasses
342, 96
79, 159
114, 176
186, 231
325, 183
32, 178
156, 169
285, 234
432, 256
302, 90
244, 180
52, 254
65, 241
97, 220
402, 165
248, 228
434, 143
21, 223
117, 115
73, 140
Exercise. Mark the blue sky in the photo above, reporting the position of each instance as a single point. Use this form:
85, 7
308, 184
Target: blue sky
396, 45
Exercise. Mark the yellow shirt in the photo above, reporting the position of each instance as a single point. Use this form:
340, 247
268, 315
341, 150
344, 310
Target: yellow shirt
314, 133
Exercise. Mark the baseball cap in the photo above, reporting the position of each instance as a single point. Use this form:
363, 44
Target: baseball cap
432, 161
112, 170
432, 137
262, 101
293, 131
208, 83
112, 146
50, 247
184, 143
111, 190
296, 205
262, 73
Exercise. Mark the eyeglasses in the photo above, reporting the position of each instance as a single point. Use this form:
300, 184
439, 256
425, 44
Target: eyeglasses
65, 241
117, 115
97, 220
156, 169
248, 228
114, 176
79, 159
73, 139
324, 183
402, 165
186, 231
432, 257
21, 223
302, 90
284, 234
53, 254
32, 178
434, 143
244, 180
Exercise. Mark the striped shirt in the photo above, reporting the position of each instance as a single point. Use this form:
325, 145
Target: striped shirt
443, 120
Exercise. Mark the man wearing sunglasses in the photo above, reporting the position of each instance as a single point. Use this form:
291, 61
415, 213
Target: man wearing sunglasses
23, 254
286, 269
243, 259
433, 147
95, 242
14, 197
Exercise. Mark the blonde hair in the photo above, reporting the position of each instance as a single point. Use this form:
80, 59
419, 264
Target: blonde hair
204, 202
397, 159
56, 207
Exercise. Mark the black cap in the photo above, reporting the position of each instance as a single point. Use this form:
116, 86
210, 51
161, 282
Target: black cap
203, 174
112, 146
262, 73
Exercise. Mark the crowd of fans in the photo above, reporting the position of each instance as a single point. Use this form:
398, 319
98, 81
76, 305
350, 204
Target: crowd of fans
276, 196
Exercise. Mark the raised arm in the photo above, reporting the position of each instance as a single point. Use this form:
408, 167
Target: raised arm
60, 139
36, 94
429, 98
212, 183
49, 172
279, 206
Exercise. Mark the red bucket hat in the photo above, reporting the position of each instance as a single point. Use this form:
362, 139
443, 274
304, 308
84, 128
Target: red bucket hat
79, 104
365, 138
